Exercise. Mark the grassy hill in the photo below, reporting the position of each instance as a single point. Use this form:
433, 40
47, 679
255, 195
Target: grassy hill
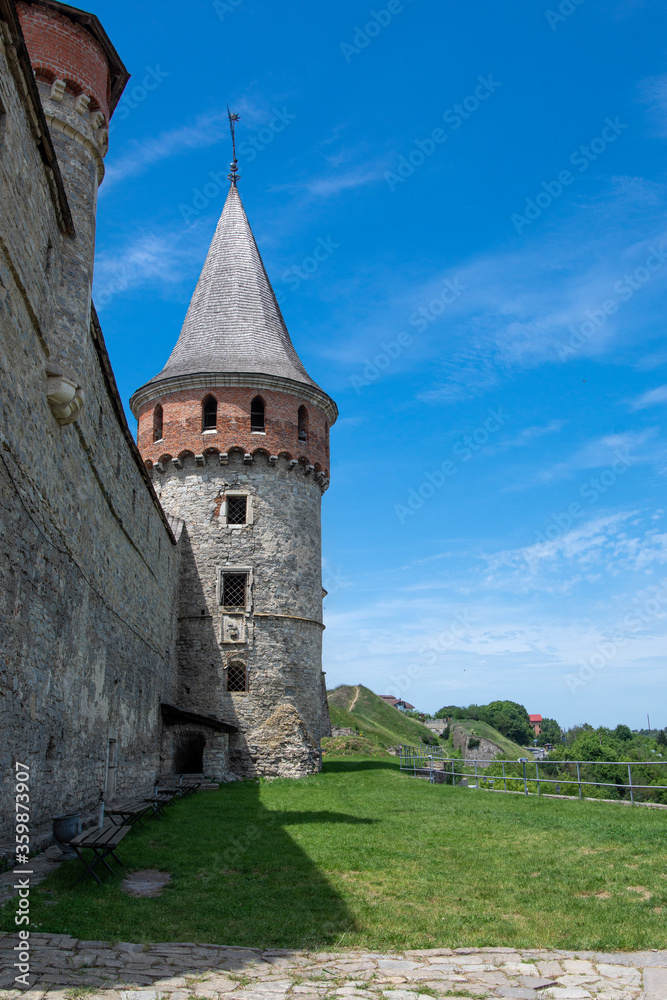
474, 727
373, 717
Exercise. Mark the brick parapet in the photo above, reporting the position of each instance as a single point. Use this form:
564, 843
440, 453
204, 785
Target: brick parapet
183, 432
61, 49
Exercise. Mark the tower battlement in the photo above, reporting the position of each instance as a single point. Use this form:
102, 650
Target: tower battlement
69, 45
220, 419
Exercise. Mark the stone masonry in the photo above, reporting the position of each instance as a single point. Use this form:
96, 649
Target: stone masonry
62, 965
278, 636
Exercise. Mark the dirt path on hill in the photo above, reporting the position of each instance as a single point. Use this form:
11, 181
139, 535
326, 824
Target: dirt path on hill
355, 699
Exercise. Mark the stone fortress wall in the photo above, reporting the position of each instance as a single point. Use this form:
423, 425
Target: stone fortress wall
88, 562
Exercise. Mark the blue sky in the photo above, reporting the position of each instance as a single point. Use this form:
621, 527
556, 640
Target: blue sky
490, 188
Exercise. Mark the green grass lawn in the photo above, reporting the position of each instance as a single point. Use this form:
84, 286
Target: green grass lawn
364, 856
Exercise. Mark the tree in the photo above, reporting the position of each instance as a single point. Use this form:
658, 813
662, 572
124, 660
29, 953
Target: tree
622, 732
661, 738
550, 732
508, 717
452, 712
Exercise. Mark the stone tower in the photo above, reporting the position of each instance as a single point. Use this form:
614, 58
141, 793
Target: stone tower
80, 79
236, 436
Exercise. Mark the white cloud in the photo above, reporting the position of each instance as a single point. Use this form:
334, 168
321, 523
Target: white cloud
525, 437
527, 302
602, 548
145, 259
325, 187
608, 450
207, 130
653, 92
652, 397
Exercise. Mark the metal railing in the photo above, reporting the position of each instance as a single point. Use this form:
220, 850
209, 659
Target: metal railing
549, 775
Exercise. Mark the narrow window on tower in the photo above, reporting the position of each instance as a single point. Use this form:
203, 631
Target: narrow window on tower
158, 419
210, 414
257, 415
303, 423
237, 676
236, 509
234, 589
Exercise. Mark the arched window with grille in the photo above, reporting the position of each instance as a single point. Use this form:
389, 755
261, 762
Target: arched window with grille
257, 414
210, 413
158, 419
237, 676
303, 423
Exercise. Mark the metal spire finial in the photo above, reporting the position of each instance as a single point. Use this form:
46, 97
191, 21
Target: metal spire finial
234, 175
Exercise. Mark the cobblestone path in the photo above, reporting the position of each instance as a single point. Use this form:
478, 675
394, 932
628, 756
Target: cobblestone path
63, 968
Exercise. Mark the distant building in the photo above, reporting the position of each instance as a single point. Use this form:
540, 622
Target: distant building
536, 723
403, 706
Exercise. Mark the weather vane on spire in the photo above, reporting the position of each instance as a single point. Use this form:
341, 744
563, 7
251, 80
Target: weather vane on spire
234, 173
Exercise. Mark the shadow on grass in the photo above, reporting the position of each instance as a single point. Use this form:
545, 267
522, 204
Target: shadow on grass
238, 878
354, 764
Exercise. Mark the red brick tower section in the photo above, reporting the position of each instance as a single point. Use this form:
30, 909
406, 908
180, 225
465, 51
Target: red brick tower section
215, 421
71, 53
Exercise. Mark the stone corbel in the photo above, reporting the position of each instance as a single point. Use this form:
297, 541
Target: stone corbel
81, 104
177, 463
273, 459
292, 464
58, 90
64, 395
308, 470
247, 459
223, 458
200, 459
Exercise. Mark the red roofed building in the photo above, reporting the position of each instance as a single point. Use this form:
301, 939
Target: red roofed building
536, 723
396, 702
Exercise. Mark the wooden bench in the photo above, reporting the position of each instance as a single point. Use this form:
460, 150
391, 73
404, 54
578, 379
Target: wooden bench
103, 843
179, 784
128, 813
159, 801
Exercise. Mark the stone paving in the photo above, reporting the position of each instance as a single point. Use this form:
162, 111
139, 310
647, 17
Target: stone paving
41, 866
64, 968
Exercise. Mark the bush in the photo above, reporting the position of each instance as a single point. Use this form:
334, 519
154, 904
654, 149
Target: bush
352, 746
473, 742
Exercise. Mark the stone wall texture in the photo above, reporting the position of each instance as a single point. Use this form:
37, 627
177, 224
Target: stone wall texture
88, 565
278, 638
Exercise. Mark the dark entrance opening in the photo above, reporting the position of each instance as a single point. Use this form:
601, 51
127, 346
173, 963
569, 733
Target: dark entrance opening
189, 753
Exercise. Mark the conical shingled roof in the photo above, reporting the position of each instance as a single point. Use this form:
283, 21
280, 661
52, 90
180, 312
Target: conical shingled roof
234, 323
